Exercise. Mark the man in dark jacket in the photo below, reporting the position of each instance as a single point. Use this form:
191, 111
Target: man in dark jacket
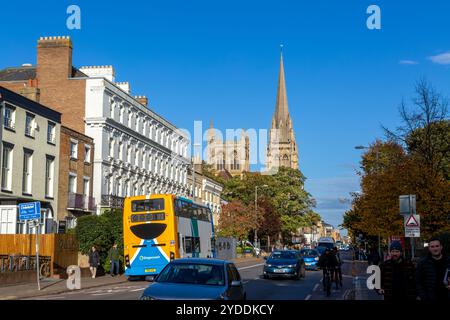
327, 262
397, 276
430, 274
113, 256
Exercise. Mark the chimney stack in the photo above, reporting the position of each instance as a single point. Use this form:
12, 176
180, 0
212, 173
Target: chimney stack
142, 100
54, 58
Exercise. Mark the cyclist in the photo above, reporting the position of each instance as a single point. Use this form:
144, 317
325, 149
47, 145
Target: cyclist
327, 262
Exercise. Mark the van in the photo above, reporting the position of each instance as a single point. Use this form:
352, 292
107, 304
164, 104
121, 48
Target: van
326, 242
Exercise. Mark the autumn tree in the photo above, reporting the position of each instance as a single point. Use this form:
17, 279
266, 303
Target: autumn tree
414, 160
236, 220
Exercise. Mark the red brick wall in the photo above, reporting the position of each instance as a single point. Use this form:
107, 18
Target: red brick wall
78, 166
58, 91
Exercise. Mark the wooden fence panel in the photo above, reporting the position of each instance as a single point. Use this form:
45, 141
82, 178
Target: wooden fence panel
61, 248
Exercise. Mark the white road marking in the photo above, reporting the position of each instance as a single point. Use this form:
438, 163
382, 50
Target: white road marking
307, 297
256, 265
316, 286
140, 289
101, 294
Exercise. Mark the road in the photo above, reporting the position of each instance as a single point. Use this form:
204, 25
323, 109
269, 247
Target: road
257, 288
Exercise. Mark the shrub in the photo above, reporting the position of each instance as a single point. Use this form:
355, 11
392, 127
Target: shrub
100, 231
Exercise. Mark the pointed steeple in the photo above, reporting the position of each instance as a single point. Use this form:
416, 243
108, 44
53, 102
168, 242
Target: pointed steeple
281, 109
282, 149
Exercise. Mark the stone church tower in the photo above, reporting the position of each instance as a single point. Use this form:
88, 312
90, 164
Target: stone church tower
282, 150
229, 157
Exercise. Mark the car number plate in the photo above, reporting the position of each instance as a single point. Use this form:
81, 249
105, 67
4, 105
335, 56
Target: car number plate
150, 270
279, 270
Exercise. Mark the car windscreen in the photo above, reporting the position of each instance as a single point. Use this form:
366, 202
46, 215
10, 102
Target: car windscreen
329, 245
283, 255
201, 274
309, 253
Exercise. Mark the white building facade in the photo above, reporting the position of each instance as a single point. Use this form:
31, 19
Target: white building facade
136, 151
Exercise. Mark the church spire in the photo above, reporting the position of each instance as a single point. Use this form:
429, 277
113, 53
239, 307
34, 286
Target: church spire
282, 149
281, 109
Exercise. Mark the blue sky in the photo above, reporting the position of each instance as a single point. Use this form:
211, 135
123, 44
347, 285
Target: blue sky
202, 60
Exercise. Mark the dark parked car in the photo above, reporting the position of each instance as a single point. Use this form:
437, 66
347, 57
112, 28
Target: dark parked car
311, 258
284, 263
197, 279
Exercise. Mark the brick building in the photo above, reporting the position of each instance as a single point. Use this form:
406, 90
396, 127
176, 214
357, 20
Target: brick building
136, 150
75, 176
55, 83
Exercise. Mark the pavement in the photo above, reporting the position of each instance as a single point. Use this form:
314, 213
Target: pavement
58, 286
357, 269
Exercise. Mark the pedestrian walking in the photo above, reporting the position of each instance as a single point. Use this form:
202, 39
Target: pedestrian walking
94, 261
431, 272
113, 256
397, 276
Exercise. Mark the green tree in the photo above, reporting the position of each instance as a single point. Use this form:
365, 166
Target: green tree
100, 231
286, 200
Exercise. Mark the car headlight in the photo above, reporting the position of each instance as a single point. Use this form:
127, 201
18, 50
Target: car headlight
316, 259
268, 265
146, 298
291, 266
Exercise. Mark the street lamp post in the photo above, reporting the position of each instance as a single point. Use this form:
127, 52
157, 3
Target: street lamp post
256, 212
377, 166
193, 171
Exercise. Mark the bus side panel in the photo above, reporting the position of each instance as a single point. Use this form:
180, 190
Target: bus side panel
185, 230
195, 228
205, 233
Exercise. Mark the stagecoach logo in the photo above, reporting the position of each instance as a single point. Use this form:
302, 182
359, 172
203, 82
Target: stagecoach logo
148, 258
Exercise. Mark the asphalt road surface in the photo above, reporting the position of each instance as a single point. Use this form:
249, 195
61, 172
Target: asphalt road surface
257, 288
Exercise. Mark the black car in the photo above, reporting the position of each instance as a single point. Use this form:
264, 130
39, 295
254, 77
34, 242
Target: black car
197, 279
284, 263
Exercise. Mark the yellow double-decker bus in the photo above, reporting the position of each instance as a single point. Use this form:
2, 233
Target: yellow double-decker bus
162, 227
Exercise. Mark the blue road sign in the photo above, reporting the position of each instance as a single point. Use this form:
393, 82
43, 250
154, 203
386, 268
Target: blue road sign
29, 210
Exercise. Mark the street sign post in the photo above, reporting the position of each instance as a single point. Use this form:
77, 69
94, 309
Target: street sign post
407, 204
29, 210
411, 218
412, 226
32, 211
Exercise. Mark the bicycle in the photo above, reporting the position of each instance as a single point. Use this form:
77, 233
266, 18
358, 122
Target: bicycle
327, 281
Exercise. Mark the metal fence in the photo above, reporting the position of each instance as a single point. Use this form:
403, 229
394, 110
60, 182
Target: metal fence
16, 263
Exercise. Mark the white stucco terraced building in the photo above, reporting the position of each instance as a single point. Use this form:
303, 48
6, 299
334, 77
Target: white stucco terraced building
136, 150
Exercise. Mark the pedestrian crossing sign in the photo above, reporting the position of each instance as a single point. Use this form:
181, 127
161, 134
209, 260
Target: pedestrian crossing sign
412, 226
412, 222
